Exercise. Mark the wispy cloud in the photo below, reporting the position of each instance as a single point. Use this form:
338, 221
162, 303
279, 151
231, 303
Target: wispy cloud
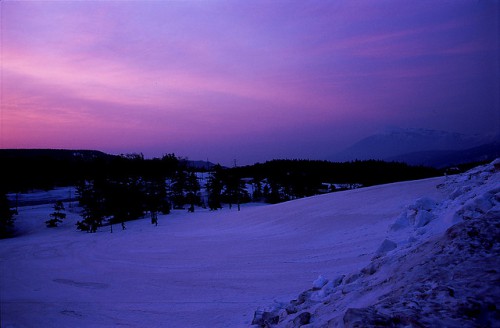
140, 72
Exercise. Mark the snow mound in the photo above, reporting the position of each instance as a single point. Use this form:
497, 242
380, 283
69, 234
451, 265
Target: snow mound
417, 215
438, 266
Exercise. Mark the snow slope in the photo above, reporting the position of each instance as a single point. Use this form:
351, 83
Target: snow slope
437, 267
202, 269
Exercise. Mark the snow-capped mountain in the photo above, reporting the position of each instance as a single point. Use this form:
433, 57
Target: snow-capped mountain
398, 142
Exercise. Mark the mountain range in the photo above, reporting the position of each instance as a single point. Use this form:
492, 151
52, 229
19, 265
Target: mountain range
423, 147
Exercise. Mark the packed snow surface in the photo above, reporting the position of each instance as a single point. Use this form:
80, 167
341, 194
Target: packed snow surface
214, 269
437, 267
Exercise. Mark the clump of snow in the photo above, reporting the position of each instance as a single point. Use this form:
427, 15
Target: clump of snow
319, 283
417, 215
386, 246
438, 266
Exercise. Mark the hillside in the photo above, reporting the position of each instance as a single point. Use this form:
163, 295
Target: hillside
436, 267
204, 268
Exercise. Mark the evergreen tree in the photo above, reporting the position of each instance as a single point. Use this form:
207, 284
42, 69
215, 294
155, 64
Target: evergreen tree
257, 194
274, 194
6, 217
229, 193
243, 196
125, 200
235, 192
91, 199
57, 215
266, 192
178, 186
192, 191
156, 198
214, 188
170, 164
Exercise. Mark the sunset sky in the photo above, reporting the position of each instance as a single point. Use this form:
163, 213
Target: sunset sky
244, 80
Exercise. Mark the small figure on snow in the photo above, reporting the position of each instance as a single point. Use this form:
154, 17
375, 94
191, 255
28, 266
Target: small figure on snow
154, 218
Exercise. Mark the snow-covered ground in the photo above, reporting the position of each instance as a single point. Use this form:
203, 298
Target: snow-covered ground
437, 267
214, 269
43, 196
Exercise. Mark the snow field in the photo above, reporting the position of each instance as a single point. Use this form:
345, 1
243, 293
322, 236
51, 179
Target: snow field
436, 267
202, 269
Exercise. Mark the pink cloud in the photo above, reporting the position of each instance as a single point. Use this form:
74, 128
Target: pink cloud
114, 74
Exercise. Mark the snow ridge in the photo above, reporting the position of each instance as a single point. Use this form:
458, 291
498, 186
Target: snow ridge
438, 266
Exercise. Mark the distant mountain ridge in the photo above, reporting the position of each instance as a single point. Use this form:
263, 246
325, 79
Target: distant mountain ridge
80, 154
445, 158
422, 147
57, 154
199, 165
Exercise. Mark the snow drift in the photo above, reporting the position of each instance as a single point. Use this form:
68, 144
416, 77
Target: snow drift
437, 266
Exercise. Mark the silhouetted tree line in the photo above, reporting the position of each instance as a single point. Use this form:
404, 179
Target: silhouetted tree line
115, 189
126, 188
281, 180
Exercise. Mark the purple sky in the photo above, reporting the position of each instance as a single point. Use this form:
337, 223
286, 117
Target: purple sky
250, 81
